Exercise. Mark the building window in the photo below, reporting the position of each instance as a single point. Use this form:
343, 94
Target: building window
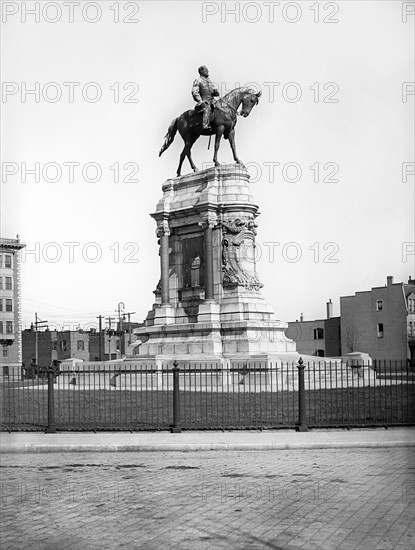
5, 351
1, 283
81, 345
8, 283
411, 305
63, 345
318, 334
1, 327
379, 305
1, 304
320, 353
55, 345
9, 327
7, 260
380, 330
9, 304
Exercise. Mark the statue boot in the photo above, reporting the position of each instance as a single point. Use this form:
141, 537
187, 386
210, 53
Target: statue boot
206, 117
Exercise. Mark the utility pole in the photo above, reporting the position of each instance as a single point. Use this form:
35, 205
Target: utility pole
38, 324
122, 339
121, 308
109, 319
129, 313
100, 337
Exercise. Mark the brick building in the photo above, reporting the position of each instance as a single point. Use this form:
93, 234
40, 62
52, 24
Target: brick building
10, 306
380, 321
68, 344
320, 337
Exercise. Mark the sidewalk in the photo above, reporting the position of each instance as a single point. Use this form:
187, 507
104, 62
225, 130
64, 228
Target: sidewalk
268, 440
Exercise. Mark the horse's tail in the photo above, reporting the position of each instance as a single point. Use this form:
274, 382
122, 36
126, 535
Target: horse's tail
169, 137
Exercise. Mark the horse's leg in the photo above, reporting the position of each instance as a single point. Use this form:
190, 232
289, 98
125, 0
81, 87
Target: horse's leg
219, 134
233, 146
189, 153
182, 156
186, 153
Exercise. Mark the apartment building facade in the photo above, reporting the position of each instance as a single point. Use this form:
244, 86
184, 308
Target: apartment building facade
69, 344
319, 337
10, 306
380, 321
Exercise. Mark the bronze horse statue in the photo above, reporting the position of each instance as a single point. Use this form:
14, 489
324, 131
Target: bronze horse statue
222, 123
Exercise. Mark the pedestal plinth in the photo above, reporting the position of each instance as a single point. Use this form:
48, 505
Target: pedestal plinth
208, 301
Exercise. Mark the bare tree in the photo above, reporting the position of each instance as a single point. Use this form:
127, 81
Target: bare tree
352, 338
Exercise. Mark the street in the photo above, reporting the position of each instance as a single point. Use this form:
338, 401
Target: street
311, 499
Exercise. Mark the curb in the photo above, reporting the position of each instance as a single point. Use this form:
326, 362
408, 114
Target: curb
200, 447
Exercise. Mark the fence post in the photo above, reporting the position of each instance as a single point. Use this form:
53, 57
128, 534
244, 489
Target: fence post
302, 421
51, 403
176, 429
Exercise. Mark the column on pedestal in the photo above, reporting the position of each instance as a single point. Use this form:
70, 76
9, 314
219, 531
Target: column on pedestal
164, 234
208, 223
209, 288
209, 309
164, 313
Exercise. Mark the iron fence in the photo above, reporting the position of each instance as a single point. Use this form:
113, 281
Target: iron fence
209, 395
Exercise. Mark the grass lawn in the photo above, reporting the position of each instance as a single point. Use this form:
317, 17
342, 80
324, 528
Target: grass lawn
26, 409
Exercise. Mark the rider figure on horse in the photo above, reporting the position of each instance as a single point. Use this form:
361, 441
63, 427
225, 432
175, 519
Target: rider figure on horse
203, 92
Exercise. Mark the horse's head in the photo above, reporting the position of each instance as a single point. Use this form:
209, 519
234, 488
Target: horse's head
249, 99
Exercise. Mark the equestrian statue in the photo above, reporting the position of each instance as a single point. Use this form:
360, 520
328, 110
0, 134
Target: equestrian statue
211, 116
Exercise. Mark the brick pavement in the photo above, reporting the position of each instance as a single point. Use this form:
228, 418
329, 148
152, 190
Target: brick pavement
310, 499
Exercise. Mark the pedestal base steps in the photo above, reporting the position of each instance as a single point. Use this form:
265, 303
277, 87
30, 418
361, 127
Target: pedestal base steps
234, 373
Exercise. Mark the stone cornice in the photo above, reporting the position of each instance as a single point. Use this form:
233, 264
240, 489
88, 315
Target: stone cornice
235, 206
12, 244
236, 171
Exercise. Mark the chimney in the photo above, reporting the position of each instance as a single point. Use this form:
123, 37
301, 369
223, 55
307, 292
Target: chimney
301, 318
389, 280
411, 281
329, 309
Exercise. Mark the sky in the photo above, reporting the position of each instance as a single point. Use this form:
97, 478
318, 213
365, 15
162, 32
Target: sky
109, 77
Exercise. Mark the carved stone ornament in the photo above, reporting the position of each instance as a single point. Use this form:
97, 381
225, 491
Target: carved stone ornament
238, 253
158, 288
240, 224
162, 229
209, 221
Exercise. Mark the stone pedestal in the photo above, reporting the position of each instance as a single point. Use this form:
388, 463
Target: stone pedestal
208, 301
164, 315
